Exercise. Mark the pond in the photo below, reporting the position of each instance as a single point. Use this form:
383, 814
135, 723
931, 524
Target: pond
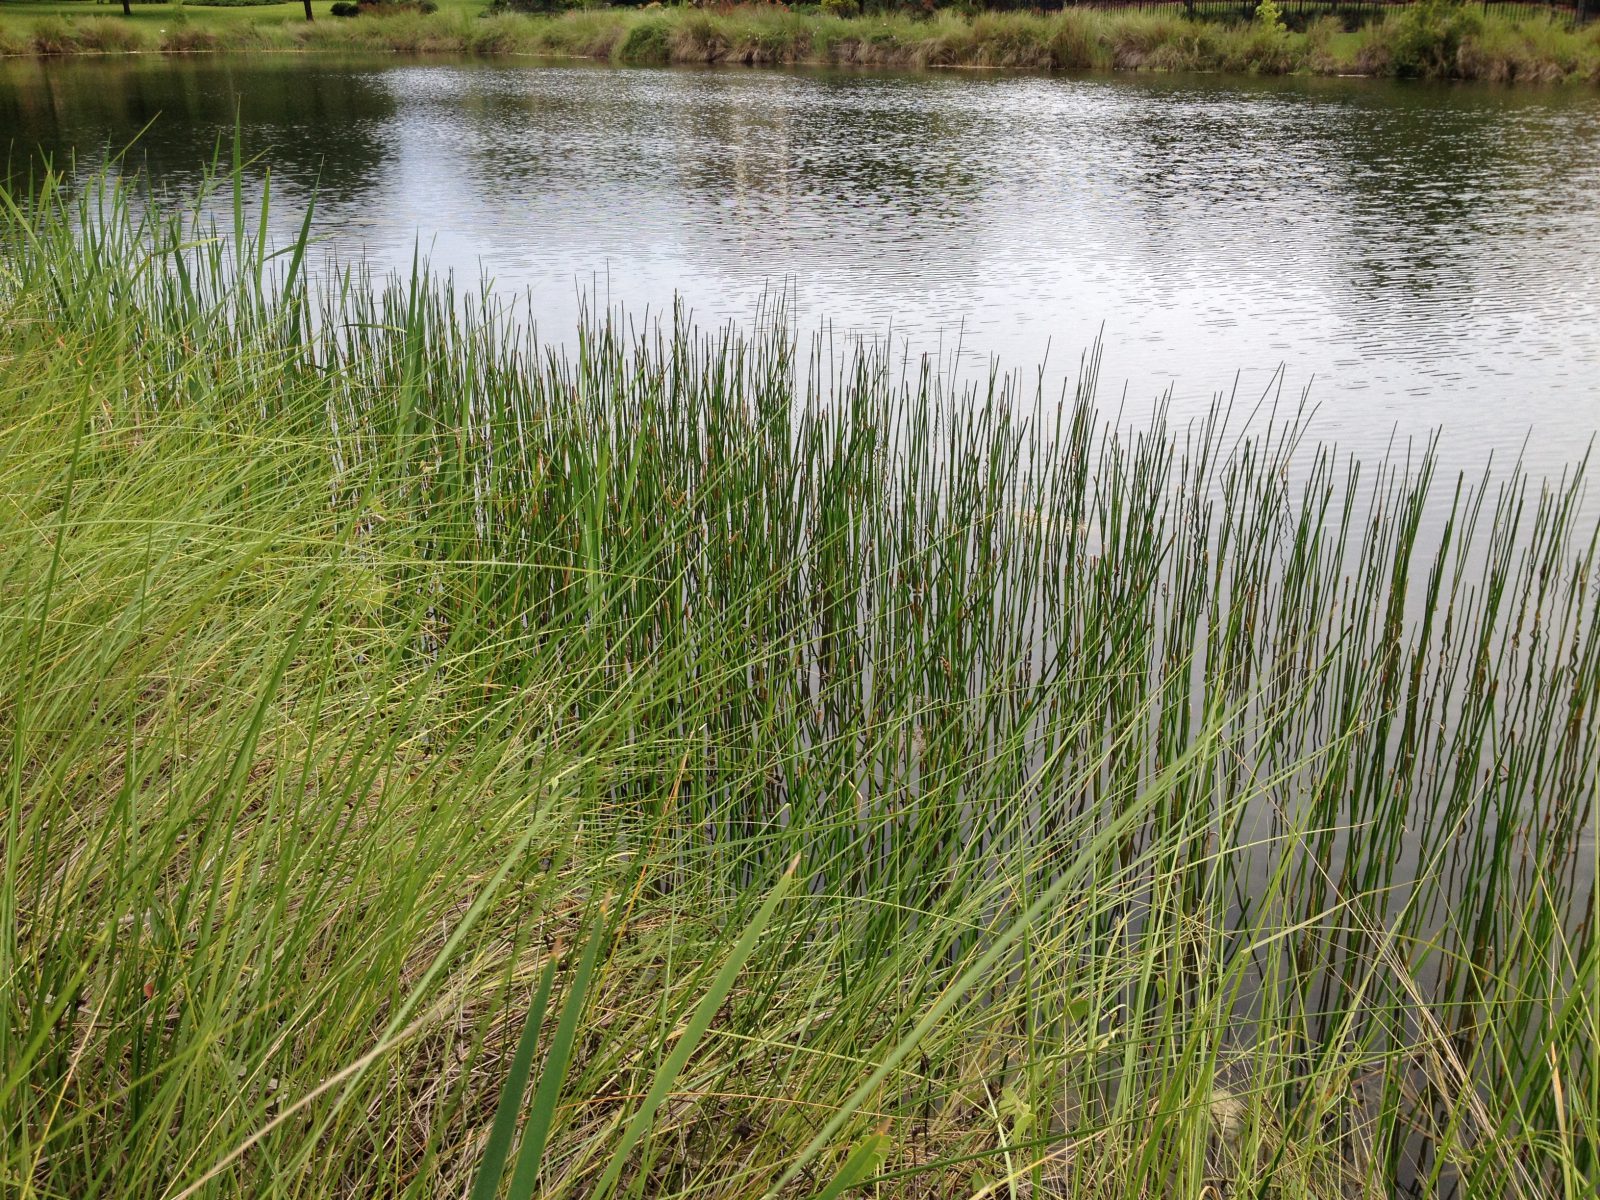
1417, 256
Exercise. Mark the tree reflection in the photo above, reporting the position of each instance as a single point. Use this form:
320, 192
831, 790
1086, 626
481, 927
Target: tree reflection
322, 129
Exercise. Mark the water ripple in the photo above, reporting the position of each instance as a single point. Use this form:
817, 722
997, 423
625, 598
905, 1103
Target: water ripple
1425, 253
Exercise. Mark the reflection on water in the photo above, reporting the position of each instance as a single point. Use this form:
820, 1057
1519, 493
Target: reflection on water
1420, 255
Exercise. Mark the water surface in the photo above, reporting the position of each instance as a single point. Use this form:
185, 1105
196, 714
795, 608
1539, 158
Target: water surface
1419, 255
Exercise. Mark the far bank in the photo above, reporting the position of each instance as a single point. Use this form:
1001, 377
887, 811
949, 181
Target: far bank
1435, 40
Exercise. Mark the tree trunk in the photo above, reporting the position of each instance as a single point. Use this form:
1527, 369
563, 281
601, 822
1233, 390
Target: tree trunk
127, 8
308, 10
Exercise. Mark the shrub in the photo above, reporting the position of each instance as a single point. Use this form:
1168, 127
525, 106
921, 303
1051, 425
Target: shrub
392, 8
1262, 50
841, 8
1270, 16
1426, 39
345, 8
531, 6
648, 43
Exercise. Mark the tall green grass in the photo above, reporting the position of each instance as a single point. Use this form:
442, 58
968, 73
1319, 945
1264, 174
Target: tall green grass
682, 764
1441, 39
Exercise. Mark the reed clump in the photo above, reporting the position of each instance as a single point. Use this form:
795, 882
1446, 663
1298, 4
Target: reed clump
1533, 52
54, 36
437, 762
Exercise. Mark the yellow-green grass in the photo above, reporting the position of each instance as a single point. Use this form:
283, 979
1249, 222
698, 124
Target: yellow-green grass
219, 16
83, 26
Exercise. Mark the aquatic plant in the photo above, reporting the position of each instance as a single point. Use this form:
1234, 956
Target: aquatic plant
680, 763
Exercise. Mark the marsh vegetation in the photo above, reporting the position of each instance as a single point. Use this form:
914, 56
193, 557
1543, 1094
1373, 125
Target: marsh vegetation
1431, 38
797, 773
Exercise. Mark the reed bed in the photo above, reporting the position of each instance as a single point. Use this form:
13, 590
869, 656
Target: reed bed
1445, 39
686, 763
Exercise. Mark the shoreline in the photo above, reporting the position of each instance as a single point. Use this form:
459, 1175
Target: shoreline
1427, 41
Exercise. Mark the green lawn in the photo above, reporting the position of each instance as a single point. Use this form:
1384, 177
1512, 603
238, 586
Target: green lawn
151, 17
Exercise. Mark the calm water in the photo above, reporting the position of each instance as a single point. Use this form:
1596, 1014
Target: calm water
1420, 255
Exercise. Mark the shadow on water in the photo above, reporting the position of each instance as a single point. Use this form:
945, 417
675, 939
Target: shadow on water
325, 131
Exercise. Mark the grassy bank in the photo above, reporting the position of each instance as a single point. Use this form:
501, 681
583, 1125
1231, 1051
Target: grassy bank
430, 758
1432, 40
